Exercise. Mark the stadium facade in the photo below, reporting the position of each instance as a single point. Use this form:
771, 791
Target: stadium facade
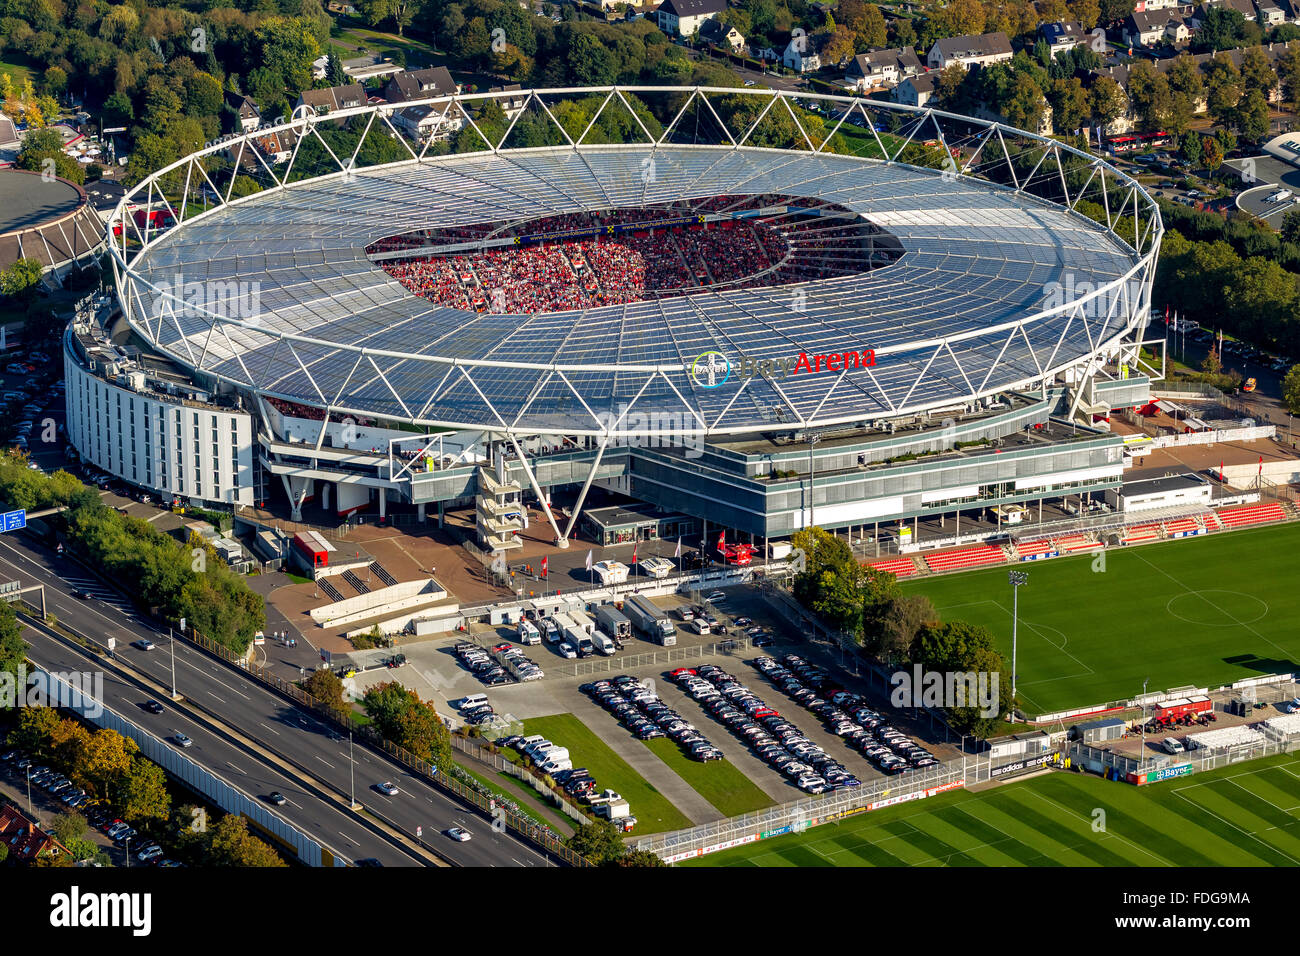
923, 324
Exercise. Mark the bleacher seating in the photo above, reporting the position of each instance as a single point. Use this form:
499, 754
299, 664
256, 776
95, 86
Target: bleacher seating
1070, 543
1135, 534
1031, 550
899, 567
1244, 515
1182, 527
960, 558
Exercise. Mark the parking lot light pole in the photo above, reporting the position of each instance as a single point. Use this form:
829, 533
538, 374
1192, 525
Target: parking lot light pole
171, 636
30, 811
1017, 578
352, 771
1144, 716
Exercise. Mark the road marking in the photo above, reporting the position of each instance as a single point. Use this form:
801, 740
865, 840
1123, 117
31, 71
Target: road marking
276, 732
214, 696
324, 761
236, 769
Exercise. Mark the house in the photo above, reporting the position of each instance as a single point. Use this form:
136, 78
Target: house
1063, 35
420, 85
721, 35
1152, 28
24, 838
428, 121
1245, 7
684, 17
882, 69
275, 148
332, 98
970, 51
511, 105
1150, 6
1269, 14
802, 54
250, 117
916, 90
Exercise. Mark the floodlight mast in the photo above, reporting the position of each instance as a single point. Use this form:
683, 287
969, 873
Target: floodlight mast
1017, 578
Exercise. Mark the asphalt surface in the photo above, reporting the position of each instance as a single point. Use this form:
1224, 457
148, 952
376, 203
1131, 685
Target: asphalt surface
261, 715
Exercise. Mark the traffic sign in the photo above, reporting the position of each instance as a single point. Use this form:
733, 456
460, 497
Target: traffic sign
13, 520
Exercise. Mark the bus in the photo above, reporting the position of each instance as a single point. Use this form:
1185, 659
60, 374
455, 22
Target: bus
1136, 142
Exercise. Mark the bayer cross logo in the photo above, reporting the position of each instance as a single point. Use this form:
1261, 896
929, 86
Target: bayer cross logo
710, 369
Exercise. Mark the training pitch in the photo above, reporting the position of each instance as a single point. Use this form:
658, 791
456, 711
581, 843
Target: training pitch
1243, 815
1199, 611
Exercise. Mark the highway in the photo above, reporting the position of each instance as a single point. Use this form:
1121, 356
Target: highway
261, 715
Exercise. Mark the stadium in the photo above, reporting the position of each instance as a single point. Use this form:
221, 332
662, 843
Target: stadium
749, 308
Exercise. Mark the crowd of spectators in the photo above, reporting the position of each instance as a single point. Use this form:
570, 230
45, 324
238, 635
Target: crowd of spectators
552, 271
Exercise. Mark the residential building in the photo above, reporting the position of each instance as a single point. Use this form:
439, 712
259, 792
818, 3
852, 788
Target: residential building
882, 69
916, 90
250, 117
722, 35
420, 85
982, 50
1064, 35
359, 68
332, 98
684, 17
24, 839
802, 54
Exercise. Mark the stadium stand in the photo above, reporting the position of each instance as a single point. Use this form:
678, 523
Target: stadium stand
1070, 543
961, 558
1244, 515
1138, 533
1183, 527
1036, 550
899, 567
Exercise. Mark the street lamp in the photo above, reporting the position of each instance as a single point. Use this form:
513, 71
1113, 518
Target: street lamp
1017, 578
1144, 717
30, 811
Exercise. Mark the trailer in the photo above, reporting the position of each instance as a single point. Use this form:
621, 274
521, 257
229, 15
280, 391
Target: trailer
650, 620
614, 623
1182, 710
610, 572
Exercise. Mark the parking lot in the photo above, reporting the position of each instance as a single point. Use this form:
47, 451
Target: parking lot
818, 759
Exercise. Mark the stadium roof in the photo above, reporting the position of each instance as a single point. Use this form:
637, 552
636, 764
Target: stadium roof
965, 311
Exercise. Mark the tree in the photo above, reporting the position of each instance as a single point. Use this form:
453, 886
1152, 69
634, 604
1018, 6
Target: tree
1291, 390
1109, 102
600, 842
1211, 153
13, 649
1069, 104
639, 858
408, 722
230, 844
1223, 87
143, 794
68, 827
327, 687
55, 80
1191, 149
900, 621
1211, 365
1251, 116
21, 277
1288, 71
36, 725
1257, 73
1149, 93
1025, 108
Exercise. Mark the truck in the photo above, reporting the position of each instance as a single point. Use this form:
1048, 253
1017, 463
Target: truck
528, 632
581, 621
650, 620
614, 623
574, 633
603, 645
780, 550
561, 624
610, 572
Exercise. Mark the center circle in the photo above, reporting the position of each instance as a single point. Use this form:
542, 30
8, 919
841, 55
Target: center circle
1217, 608
583, 260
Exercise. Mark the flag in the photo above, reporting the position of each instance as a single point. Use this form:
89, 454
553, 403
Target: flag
634, 547
1220, 471
543, 566
722, 541
1261, 466
1166, 314
588, 560
678, 552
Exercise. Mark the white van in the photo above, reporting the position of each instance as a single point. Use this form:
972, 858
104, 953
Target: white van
603, 645
472, 701
528, 633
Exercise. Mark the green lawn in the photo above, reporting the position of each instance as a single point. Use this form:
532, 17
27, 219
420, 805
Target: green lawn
1243, 815
1198, 611
719, 781
651, 808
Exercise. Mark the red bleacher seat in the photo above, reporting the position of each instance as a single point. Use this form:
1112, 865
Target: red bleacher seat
1142, 532
899, 567
1070, 543
1181, 525
975, 557
1029, 548
1251, 514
